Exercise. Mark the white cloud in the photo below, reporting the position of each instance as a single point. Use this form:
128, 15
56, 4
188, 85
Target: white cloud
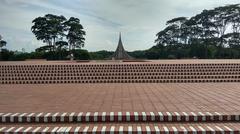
138, 21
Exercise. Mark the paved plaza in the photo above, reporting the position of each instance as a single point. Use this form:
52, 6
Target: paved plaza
165, 97
135, 97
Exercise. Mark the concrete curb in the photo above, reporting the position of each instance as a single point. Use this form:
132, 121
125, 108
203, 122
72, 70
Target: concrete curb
118, 117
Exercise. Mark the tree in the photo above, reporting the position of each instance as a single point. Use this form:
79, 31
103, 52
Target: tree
75, 34
174, 33
60, 45
210, 34
2, 42
49, 29
55, 30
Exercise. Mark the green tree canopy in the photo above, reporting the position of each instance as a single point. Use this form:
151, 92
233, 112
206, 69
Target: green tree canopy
75, 34
2, 42
58, 33
49, 29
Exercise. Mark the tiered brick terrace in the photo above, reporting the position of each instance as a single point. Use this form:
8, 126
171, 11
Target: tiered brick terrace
184, 96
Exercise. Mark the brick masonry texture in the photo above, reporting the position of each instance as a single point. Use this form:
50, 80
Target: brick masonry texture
135, 97
152, 97
122, 72
95, 117
208, 128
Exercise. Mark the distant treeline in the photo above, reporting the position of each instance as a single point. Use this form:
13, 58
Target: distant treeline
211, 34
80, 54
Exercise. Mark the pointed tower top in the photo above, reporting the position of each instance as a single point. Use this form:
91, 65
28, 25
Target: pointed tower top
120, 53
120, 39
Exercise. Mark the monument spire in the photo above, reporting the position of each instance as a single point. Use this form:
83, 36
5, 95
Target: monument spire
120, 38
120, 53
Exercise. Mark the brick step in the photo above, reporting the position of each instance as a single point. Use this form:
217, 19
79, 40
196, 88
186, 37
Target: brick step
125, 128
119, 81
146, 64
51, 64
146, 76
114, 74
119, 117
70, 70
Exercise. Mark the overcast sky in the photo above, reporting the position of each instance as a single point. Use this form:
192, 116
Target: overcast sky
138, 20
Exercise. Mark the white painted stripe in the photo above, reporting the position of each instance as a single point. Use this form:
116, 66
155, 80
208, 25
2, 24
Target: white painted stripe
220, 129
209, 114
237, 117
229, 129
12, 117
152, 116
178, 116
194, 116
1, 129
220, 116
68, 129
111, 116
185, 131
76, 130
128, 116
20, 118
119, 116
46, 117
45, 130
202, 129
104, 116
139, 130
37, 117
9, 130
36, 129
194, 131
95, 116
79, 117
103, 130
129, 129
5, 116
87, 118
85, 130
26, 130
144, 116
54, 130
203, 116
120, 129
166, 130
161, 116
175, 130
186, 116
228, 117
94, 129
29, 117
112, 130
157, 130
71, 117
17, 130
136, 116
210, 128
59, 130
169, 116
54, 117
63, 129
63, 117
148, 130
